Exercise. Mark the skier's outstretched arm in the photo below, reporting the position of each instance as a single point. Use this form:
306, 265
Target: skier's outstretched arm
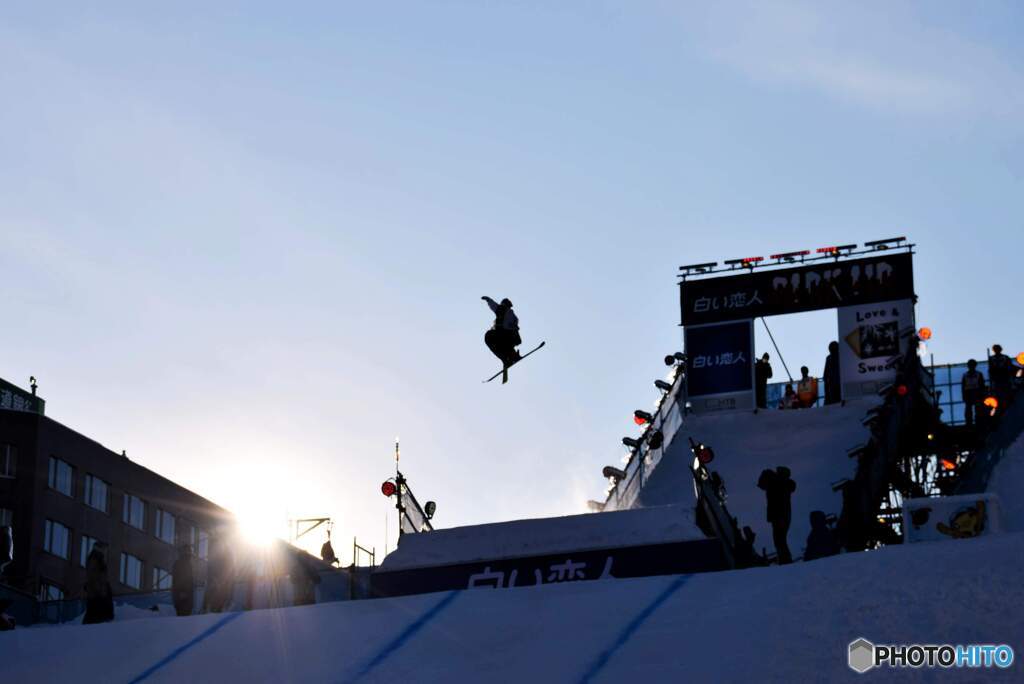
491, 303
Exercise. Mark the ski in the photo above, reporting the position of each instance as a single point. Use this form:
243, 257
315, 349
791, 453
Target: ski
504, 371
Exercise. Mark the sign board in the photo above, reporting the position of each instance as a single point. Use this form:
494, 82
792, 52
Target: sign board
822, 285
870, 345
950, 517
719, 365
13, 398
674, 558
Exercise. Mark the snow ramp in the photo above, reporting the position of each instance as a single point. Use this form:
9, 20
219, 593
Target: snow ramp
784, 624
812, 443
541, 536
1008, 482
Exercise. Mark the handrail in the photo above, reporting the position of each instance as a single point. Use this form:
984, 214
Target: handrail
668, 419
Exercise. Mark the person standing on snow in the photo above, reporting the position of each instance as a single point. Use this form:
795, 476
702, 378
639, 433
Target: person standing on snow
972, 391
821, 541
503, 337
6, 548
183, 582
833, 394
762, 373
778, 488
99, 599
1000, 374
807, 389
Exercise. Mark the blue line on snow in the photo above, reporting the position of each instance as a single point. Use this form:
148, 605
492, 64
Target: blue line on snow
184, 647
627, 633
408, 633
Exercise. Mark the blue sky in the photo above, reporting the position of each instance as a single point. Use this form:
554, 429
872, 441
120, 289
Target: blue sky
247, 243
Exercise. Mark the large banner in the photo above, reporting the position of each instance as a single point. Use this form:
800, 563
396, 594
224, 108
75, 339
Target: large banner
719, 366
870, 344
792, 290
673, 558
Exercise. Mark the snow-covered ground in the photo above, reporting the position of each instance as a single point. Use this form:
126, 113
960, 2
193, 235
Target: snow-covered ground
790, 623
812, 443
543, 536
787, 624
1008, 482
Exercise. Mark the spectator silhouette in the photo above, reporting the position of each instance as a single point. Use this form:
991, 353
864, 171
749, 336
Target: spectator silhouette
762, 373
183, 582
7, 622
807, 389
821, 541
327, 551
1000, 374
779, 488
972, 391
220, 574
304, 580
789, 399
833, 390
6, 548
99, 599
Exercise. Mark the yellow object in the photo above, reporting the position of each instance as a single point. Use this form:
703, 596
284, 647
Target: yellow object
991, 402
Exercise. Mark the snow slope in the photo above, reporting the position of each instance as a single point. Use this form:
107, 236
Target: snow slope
812, 443
785, 624
1008, 482
542, 536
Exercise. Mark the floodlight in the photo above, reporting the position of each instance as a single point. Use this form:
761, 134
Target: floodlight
613, 473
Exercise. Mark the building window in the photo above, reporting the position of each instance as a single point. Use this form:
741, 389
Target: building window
8, 457
164, 526
61, 476
96, 493
203, 547
134, 512
87, 544
161, 579
50, 592
131, 571
57, 539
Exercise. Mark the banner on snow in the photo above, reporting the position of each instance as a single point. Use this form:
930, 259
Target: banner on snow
950, 517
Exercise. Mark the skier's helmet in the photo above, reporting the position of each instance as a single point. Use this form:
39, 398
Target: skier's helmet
506, 303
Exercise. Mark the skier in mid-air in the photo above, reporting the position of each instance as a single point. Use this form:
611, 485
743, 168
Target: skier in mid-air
503, 337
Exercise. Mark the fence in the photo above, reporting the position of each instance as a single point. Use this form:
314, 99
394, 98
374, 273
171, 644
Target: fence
643, 459
947, 389
669, 418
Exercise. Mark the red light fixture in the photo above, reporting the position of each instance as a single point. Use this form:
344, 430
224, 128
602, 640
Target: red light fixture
991, 402
642, 417
791, 255
947, 464
925, 333
827, 250
752, 260
389, 488
902, 390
